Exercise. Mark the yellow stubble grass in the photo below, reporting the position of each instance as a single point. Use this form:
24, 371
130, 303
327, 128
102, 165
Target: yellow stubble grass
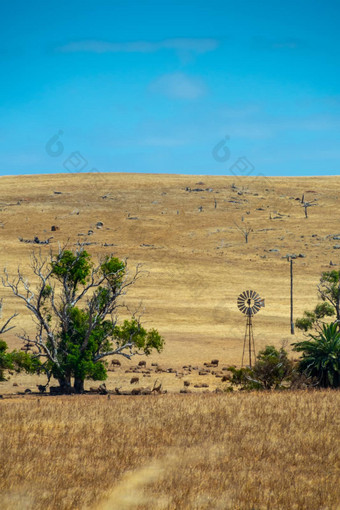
230, 451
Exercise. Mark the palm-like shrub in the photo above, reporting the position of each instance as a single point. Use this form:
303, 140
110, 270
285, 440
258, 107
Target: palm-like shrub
321, 356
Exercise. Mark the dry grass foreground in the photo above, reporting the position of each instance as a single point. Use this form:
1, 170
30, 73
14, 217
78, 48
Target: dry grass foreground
231, 451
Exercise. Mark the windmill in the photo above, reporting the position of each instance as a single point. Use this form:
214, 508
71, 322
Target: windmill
249, 303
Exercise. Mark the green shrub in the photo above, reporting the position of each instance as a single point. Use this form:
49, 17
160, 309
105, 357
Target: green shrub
272, 370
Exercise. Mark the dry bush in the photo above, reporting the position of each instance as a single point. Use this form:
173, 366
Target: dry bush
231, 451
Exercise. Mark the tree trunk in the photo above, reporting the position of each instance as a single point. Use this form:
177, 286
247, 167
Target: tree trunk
65, 384
78, 385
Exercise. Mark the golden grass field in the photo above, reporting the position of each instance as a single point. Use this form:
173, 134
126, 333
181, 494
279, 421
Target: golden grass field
196, 451
232, 451
196, 263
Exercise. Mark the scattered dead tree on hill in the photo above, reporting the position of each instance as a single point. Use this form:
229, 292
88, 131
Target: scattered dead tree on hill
307, 204
245, 231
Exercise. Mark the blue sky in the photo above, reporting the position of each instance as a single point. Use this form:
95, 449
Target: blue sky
154, 86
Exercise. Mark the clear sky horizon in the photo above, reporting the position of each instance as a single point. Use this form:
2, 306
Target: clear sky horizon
188, 87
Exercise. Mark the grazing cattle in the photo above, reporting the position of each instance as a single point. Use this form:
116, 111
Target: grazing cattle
134, 380
136, 391
42, 387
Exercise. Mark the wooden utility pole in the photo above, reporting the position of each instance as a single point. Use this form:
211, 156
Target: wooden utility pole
291, 298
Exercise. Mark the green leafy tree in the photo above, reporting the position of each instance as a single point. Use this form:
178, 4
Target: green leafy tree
329, 292
14, 360
321, 356
272, 370
315, 318
75, 308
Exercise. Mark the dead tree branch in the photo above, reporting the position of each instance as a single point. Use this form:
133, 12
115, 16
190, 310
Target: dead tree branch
245, 231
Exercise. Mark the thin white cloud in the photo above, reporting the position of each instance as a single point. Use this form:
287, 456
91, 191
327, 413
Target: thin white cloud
202, 45
178, 86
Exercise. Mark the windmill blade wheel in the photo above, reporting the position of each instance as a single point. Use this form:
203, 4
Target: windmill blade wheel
249, 302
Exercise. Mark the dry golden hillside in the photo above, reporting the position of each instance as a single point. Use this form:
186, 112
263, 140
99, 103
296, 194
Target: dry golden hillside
183, 229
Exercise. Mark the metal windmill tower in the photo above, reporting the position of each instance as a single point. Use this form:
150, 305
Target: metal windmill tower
249, 303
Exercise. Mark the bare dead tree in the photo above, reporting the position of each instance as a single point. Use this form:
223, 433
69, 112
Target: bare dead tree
245, 230
307, 204
157, 388
5, 327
